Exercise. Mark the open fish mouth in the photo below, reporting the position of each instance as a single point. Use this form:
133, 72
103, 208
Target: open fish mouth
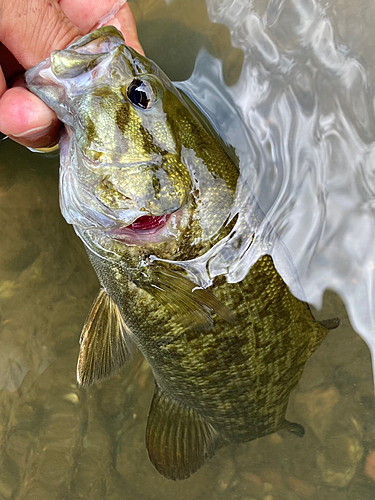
149, 223
145, 229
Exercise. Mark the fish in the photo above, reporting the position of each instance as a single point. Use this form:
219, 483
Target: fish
148, 184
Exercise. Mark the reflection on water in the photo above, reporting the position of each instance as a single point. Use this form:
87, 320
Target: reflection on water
61, 442
307, 137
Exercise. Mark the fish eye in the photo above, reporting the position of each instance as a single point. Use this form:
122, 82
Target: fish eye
137, 94
142, 93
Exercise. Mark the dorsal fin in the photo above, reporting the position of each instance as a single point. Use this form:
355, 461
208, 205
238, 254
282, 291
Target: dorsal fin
191, 304
178, 439
103, 350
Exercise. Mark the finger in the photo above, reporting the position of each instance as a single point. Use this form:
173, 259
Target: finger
32, 29
125, 22
85, 14
26, 119
88, 15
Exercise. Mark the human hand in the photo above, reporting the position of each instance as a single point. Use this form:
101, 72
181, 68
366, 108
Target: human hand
29, 31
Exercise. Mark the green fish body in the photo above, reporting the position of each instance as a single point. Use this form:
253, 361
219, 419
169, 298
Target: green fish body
149, 186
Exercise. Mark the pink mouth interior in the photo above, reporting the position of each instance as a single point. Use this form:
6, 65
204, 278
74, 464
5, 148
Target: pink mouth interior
143, 230
148, 222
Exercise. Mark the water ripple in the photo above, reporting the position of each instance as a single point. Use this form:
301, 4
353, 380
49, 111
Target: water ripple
301, 118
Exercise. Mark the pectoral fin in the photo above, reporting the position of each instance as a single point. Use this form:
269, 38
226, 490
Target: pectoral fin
103, 349
191, 304
178, 439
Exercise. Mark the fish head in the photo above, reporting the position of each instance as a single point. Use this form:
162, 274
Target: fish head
128, 158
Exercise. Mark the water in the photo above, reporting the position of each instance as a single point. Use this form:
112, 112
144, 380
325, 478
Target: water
61, 442
307, 137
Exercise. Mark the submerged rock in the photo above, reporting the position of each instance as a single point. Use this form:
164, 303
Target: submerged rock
317, 405
342, 452
370, 465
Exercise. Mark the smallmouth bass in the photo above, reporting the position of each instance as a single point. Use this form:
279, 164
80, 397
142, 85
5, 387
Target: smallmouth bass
147, 184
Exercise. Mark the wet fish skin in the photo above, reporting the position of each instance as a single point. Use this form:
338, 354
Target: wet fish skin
225, 359
230, 371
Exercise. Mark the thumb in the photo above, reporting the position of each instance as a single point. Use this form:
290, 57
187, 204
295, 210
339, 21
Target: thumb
31, 29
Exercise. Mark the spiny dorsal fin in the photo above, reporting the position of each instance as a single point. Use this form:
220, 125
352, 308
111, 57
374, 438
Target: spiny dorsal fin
103, 350
178, 440
191, 304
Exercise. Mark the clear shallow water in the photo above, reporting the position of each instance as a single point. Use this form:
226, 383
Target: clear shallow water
61, 442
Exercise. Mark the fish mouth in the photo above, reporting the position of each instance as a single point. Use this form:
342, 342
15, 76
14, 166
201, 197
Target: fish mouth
145, 229
149, 223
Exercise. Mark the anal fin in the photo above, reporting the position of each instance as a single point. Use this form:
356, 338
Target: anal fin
178, 439
103, 349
